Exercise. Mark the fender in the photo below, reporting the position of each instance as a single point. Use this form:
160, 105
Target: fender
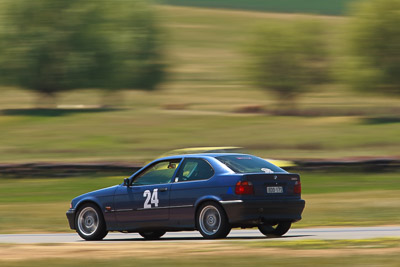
94, 200
206, 198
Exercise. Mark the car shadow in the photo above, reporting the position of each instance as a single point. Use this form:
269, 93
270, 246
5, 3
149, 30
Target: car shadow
166, 239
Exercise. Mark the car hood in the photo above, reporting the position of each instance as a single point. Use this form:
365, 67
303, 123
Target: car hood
108, 191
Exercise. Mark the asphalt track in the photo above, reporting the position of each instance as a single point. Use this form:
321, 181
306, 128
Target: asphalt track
235, 235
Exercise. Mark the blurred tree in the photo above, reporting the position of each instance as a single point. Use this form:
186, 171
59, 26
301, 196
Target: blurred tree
287, 59
50, 46
374, 37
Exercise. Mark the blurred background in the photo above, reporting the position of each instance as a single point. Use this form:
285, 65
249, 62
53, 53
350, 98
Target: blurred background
126, 81
98, 81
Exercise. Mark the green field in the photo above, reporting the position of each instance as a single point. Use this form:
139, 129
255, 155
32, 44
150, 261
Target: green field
334, 199
331, 7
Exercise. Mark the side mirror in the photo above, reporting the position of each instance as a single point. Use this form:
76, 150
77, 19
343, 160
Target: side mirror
126, 182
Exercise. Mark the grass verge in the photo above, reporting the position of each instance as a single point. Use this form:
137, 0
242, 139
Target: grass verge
353, 253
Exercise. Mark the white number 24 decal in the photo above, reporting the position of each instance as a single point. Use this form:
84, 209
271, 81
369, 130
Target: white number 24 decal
150, 198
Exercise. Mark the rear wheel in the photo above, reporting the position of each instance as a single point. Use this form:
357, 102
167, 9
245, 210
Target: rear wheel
212, 221
152, 235
275, 230
90, 223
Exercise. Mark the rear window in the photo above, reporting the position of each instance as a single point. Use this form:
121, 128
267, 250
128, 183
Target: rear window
248, 164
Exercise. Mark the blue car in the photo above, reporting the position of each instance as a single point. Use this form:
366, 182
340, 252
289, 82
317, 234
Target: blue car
211, 193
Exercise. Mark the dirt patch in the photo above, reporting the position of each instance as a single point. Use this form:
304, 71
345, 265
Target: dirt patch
172, 249
248, 13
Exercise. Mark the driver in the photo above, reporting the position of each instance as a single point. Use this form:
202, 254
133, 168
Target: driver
171, 165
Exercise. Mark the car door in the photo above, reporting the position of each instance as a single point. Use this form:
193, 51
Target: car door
192, 181
145, 202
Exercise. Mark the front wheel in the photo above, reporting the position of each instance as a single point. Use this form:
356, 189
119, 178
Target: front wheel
152, 235
212, 221
90, 223
275, 230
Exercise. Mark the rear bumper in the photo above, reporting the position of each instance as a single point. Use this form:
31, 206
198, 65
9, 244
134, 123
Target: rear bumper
248, 212
71, 218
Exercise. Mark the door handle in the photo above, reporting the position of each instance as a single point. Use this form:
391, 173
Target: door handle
163, 189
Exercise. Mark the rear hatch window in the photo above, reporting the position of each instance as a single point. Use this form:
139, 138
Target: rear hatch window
248, 164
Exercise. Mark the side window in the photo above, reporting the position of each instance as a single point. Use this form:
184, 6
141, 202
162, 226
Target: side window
159, 173
194, 169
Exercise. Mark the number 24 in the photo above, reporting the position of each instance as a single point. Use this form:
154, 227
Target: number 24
150, 198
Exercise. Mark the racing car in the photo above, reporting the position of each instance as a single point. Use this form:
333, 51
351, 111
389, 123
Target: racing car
211, 193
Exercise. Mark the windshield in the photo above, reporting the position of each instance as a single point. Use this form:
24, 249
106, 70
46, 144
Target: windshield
248, 164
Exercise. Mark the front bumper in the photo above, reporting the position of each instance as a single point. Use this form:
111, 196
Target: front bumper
71, 218
247, 212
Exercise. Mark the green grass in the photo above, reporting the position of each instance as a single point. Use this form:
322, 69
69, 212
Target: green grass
28, 205
142, 135
325, 182
51, 190
351, 209
331, 7
336, 199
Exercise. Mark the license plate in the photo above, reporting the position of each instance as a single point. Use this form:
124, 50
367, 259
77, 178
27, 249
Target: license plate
274, 189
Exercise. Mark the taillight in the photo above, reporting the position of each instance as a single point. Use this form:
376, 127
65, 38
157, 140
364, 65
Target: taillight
70, 205
297, 188
244, 188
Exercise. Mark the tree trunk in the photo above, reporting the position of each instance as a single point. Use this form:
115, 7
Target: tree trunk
287, 105
46, 100
112, 99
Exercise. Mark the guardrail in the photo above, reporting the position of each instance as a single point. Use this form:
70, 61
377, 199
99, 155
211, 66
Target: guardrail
370, 165
126, 169
67, 169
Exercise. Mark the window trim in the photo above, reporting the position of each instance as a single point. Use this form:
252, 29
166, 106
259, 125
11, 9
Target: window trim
181, 166
136, 175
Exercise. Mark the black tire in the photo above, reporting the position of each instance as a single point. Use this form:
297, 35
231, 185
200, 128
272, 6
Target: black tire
275, 230
152, 235
90, 223
211, 221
